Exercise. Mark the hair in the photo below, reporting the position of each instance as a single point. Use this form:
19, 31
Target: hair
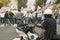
48, 16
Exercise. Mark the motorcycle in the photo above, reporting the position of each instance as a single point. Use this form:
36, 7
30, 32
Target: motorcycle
27, 32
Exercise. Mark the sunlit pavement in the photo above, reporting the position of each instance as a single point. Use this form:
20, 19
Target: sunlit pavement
58, 29
8, 32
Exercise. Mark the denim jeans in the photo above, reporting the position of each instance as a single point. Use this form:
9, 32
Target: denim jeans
28, 20
11, 20
18, 21
2, 20
6, 20
39, 20
58, 21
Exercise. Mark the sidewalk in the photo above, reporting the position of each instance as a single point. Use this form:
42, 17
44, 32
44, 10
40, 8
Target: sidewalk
7, 33
58, 29
2, 25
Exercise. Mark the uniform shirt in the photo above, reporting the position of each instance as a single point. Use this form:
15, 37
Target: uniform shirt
52, 23
49, 25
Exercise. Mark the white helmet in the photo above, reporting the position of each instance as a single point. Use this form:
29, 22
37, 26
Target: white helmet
48, 11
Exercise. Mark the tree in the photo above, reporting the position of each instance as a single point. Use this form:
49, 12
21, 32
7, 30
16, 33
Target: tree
57, 2
3, 2
21, 3
40, 3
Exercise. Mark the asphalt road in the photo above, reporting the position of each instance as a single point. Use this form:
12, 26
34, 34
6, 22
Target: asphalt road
8, 32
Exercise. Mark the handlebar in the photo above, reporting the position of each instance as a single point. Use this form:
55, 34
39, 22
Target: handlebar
30, 25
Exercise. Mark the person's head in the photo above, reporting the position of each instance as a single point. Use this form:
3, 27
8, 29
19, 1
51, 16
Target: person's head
48, 13
8, 11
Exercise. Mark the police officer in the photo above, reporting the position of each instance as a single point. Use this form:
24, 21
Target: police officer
48, 25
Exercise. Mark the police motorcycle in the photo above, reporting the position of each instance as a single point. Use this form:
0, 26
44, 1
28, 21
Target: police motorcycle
27, 32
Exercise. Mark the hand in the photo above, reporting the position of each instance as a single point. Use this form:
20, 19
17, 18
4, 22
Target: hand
42, 32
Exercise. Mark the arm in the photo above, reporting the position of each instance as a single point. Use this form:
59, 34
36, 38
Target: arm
43, 29
42, 32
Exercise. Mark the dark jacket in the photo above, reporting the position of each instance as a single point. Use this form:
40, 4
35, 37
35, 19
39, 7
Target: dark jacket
50, 26
6, 15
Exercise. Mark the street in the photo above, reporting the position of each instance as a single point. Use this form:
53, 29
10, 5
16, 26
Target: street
8, 32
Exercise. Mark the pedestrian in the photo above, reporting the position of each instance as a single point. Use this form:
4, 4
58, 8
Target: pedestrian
11, 18
6, 18
19, 18
28, 17
30, 7
58, 17
48, 26
56, 14
39, 14
2, 17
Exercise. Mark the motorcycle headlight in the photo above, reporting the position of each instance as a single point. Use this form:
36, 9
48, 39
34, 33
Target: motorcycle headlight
32, 37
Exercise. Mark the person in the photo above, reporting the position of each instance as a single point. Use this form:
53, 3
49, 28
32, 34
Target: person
6, 18
11, 19
56, 13
39, 14
19, 18
28, 17
2, 17
58, 16
48, 26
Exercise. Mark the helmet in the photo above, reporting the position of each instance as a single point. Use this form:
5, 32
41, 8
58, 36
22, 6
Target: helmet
48, 11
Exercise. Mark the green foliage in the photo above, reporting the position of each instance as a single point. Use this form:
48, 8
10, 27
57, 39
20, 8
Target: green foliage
3, 2
22, 3
40, 3
58, 1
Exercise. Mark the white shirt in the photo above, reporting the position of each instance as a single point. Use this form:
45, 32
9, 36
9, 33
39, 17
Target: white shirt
2, 15
24, 11
30, 15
